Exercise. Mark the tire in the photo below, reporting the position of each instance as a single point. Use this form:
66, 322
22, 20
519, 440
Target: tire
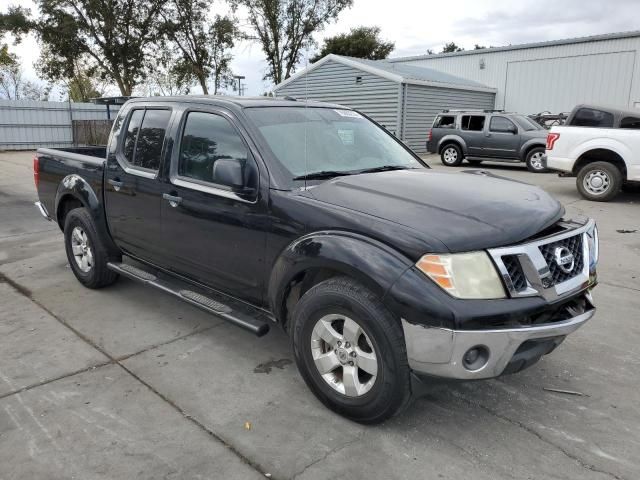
599, 181
80, 234
325, 310
451, 155
534, 160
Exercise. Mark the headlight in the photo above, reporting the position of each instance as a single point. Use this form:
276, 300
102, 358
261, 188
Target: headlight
463, 275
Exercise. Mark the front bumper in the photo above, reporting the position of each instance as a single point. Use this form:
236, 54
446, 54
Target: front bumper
440, 352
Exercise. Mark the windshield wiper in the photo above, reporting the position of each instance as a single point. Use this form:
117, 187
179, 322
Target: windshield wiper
322, 174
384, 168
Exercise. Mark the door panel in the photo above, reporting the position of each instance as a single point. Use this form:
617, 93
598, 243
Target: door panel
132, 191
500, 143
214, 234
472, 127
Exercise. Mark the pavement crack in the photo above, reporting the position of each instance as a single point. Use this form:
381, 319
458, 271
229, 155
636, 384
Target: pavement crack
328, 453
523, 426
55, 379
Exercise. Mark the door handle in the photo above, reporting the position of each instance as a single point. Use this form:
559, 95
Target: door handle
172, 199
116, 184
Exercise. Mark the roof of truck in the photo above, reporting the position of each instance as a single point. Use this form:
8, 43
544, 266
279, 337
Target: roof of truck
241, 102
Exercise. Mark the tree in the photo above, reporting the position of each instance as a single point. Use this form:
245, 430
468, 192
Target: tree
451, 47
430, 51
13, 85
115, 37
204, 45
284, 28
360, 42
479, 47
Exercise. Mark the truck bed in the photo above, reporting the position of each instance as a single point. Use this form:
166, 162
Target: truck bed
57, 164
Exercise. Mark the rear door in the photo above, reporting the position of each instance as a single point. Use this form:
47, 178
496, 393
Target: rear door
472, 131
215, 234
132, 191
502, 138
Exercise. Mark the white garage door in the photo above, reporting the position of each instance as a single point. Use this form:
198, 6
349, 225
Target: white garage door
559, 84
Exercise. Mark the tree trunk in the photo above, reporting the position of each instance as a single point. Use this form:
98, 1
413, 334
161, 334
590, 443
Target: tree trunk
203, 84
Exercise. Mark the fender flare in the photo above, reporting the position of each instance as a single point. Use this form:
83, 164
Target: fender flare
451, 138
374, 264
75, 186
532, 143
600, 143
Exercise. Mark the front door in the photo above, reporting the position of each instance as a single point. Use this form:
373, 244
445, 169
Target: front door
215, 232
132, 191
503, 139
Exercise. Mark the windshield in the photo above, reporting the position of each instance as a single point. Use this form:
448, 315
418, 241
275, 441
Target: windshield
527, 123
314, 140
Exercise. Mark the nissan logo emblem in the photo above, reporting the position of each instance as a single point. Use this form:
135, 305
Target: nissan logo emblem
564, 259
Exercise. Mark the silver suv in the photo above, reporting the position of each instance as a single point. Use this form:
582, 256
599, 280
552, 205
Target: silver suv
487, 135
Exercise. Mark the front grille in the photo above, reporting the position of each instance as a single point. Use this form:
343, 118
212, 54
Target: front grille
574, 245
514, 269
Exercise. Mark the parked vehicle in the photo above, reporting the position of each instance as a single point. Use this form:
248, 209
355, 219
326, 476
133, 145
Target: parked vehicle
487, 135
600, 146
312, 217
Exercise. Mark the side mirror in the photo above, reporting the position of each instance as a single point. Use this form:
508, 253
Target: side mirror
513, 130
229, 172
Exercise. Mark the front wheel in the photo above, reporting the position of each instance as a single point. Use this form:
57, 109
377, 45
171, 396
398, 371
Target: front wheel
451, 155
534, 160
599, 181
351, 352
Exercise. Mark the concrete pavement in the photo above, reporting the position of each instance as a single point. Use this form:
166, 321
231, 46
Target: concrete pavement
126, 382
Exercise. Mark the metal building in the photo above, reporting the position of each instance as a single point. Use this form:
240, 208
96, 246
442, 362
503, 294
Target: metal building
403, 98
550, 76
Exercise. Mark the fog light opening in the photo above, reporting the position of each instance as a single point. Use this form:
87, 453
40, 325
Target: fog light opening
475, 358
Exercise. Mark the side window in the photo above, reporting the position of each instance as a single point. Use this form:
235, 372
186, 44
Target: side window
207, 138
151, 138
145, 136
588, 117
473, 122
501, 124
132, 134
630, 122
445, 121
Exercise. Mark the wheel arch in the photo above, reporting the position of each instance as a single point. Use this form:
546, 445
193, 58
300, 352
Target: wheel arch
527, 147
452, 139
75, 192
600, 155
322, 255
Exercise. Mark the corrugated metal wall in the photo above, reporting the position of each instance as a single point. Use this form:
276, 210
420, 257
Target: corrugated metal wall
30, 124
569, 92
336, 83
422, 104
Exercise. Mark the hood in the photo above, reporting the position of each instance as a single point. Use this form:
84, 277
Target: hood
465, 212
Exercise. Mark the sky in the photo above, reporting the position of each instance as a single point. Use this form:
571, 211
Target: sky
418, 25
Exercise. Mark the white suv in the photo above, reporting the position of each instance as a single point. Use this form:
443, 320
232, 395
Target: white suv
600, 146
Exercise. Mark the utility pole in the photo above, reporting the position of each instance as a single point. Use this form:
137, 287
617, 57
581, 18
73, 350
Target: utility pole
239, 78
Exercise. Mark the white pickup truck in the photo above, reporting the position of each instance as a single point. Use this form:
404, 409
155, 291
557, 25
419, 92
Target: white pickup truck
598, 145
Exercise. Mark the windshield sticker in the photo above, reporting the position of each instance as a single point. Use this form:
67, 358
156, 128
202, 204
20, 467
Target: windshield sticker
348, 113
346, 136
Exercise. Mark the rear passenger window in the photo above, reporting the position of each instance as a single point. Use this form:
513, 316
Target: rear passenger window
473, 122
588, 117
445, 121
630, 122
145, 138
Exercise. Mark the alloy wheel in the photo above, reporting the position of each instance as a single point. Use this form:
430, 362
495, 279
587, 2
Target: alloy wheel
596, 182
450, 155
81, 248
344, 355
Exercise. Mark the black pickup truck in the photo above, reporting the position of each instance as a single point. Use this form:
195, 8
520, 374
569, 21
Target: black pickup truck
311, 216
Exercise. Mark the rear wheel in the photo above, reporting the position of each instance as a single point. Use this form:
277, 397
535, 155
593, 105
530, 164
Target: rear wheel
86, 253
599, 181
351, 351
534, 160
451, 155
